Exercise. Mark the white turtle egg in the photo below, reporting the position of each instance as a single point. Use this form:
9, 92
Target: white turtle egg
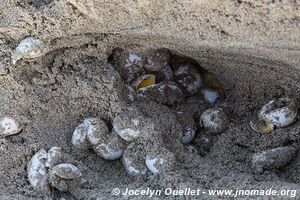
214, 120
37, 171
112, 148
97, 130
133, 159
160, 160
188, 135
210, 95
79, 137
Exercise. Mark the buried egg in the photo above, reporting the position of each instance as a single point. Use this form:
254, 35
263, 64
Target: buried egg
277, 113
28, 48
165, 93
61, 174
157, 60
191, 149
188, 78
188, 135
9, 126
210, 95
79, 139
112, 148
144, 81
128, 124
133, 159
97, 130
37, 171
128, 65
54, 156
160, 160
214, 120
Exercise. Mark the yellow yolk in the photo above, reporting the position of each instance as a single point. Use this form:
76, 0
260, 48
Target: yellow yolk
149, 80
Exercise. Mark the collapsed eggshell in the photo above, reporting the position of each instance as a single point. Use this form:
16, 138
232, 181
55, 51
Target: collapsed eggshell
188, 78
9, 126
54, 156
28, 48
133, 159
79, 137
112, 148
156, 60
160, 160
272, 159
97, 130
214, 120
62, 174
129, 124
37, 171
276, 113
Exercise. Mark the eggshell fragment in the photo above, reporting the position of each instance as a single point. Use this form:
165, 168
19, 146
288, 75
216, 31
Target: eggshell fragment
9, 126
54, 156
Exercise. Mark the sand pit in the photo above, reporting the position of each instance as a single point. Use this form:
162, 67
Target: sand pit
251, 47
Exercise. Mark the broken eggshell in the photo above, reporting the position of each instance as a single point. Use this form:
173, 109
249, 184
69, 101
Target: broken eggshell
9, 126
28, 48
133, 159
112, 148
277, 113
188, 78
37, 171
144, 81
61, 174
214, 120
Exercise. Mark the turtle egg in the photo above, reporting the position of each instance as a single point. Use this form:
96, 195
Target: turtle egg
157, 60
112, 148
144, 81
28, 48
188, 135
191, 149
54, 156
128, 124
210, 95
188, 78
160, 160
203, 144
9, 126
61, 174
37, 171
133, 159
214, 120
79, 139
97, 130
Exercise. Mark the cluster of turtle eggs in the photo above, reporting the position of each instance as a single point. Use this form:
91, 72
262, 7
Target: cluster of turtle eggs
45, 169
155, 76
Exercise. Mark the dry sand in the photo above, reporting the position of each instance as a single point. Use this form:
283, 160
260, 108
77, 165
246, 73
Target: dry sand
253, 48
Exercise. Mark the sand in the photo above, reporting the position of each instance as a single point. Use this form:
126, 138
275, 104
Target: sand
252, 47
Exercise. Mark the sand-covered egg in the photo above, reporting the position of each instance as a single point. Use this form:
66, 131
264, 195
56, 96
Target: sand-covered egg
214, 120
276, 113
29, 47
61, 174
211, 96
129, 123
79, 139
164, 92
37, 171
160, 160
111, 148
157, 59
128, 64
203, 143
144, 81
188, 135
97, 130
54, 156
9, 126
188, 78
133, 159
